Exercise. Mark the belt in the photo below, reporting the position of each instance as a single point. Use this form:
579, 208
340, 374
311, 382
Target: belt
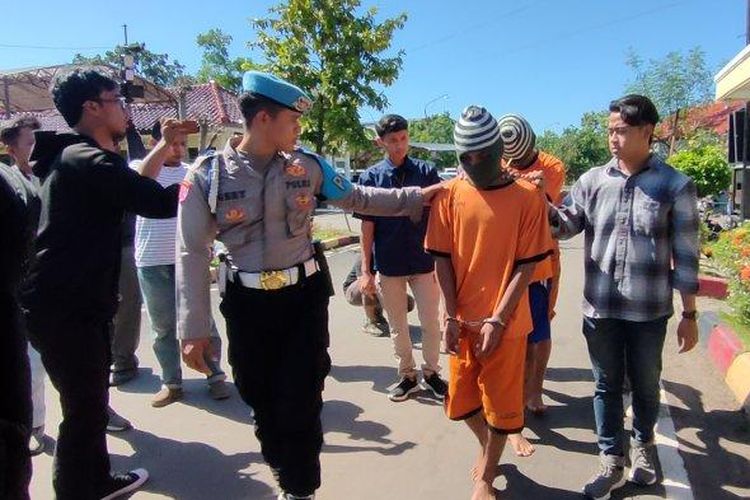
273, 280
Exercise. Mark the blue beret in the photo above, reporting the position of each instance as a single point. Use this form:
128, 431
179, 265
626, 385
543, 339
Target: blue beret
277, 90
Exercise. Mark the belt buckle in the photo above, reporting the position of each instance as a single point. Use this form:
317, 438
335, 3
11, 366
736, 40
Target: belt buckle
272, 280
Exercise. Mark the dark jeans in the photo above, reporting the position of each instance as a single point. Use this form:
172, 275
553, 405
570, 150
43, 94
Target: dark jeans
15, 404
127, 323
278, 349
616, 346
76, 353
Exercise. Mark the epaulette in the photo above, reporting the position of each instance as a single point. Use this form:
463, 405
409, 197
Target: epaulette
212, 176
201, 160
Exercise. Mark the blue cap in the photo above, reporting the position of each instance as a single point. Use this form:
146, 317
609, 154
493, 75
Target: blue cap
276, 89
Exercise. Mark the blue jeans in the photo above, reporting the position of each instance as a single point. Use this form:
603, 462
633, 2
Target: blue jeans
158, 289
616, 345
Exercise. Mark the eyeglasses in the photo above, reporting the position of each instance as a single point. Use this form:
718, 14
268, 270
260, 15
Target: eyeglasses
119, 99
621, 131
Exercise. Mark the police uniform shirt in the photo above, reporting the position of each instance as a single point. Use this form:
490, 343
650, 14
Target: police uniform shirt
263, 216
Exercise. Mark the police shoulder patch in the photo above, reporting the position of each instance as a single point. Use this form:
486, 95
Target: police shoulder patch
334, 186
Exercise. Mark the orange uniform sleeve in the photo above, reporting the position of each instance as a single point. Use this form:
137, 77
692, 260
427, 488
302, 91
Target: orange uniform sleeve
534, 232
439, 237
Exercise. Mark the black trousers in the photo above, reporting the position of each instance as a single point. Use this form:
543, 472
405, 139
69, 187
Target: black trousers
15, 404
76, 352
278, 350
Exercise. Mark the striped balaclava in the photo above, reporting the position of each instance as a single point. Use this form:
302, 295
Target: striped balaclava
518, 137
477, 130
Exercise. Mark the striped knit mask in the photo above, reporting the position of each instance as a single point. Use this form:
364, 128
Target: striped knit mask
475, 131
518, 137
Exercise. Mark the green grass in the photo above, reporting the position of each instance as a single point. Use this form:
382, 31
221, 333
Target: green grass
740, 329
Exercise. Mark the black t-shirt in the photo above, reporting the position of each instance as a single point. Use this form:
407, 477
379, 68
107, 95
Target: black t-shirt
85, 193
19, 213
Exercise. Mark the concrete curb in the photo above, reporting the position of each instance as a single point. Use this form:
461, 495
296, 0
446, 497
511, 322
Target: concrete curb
738, 379
339, 242
712, 286
726, 353
723, 347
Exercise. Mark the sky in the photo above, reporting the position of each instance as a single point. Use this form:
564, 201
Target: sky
550, 60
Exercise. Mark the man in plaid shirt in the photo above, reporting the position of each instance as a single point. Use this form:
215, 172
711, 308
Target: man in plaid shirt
640, 221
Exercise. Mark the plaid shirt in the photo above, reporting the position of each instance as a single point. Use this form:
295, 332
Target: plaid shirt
636, 228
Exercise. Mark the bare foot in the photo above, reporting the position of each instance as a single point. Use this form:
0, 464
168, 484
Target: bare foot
521, 445
536, 405
483, 491
478, 467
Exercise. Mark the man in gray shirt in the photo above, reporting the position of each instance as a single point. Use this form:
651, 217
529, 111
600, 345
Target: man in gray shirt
640, 221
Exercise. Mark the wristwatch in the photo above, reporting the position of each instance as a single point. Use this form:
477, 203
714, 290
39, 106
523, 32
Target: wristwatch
691, 315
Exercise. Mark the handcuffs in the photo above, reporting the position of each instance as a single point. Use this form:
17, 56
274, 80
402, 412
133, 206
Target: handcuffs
479, 322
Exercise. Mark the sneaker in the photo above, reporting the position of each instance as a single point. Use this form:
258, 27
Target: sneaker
219, 390
36, 441
120, 484
609, 477
437, 385
116, 423
642, 468
122, 376
405, 387
166, 396
376, 328
289, 496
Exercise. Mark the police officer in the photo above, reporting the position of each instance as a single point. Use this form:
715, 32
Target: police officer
257, 197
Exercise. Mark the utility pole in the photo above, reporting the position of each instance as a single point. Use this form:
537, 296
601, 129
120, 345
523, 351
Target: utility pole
745, 209
125, 32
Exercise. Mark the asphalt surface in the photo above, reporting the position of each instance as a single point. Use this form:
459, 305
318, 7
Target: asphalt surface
375, 449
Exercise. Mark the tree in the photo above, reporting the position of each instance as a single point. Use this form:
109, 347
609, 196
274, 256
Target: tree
217, 65
673, 83
158, 68
579, 147
707, 166
436, 128
327, 47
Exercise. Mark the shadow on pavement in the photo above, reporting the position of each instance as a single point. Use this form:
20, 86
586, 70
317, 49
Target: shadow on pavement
380, 376
569, 375
573, 413
522, 487
343, 417
192, 470
718, 449
234, 408
146, 382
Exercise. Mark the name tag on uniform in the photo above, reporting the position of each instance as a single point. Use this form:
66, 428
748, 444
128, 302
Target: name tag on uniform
231, 195
299, 183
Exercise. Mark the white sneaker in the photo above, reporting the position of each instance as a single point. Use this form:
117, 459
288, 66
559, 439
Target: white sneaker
120, 484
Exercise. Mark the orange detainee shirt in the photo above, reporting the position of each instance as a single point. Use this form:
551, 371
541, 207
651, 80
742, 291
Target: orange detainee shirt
554, 178
486, 234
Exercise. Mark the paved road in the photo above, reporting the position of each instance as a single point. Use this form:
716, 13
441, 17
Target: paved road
202, 449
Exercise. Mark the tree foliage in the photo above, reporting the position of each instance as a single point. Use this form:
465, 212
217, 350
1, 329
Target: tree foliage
159, 68
676, 81
437, 129
579, 147
335, 50
706, 165
217, 65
